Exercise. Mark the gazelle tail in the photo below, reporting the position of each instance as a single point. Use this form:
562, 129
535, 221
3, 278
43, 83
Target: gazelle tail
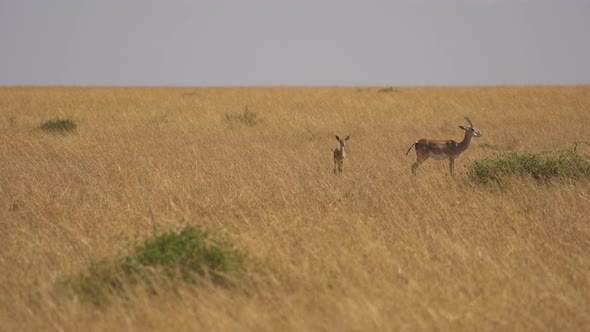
411, 146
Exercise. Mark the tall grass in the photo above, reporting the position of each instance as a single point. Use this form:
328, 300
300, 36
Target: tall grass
373, 249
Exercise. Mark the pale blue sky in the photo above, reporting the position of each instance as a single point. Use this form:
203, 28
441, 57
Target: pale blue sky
310, 43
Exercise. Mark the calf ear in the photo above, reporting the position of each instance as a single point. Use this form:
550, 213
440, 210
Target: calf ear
347, 137
338, 138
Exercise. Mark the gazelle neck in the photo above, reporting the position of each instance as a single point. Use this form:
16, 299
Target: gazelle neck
465, 142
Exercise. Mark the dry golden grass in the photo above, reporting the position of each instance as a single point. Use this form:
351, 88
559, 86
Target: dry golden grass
371, 249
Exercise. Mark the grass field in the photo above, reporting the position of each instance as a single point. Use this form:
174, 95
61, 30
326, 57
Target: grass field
371, 249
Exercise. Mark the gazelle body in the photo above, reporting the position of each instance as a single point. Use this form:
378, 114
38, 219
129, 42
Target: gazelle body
443, 149
339, 154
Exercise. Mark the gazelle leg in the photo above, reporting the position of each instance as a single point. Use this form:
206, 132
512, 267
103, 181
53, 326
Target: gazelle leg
415, 167
417, 164
335, 165
452, 166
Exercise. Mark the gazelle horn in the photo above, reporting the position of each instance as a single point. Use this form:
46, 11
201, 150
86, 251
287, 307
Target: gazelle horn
467, 118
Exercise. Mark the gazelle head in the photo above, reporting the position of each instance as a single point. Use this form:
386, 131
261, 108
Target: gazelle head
342, 141
470, 129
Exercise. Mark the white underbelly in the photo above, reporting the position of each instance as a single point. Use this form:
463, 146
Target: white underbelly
438, 156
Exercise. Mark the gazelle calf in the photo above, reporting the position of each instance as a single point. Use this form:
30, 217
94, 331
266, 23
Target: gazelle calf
443, 149
339, 154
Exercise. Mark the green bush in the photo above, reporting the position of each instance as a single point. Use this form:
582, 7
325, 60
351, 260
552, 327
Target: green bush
59, 125
540, 166
187, 256
189, 252
247, 117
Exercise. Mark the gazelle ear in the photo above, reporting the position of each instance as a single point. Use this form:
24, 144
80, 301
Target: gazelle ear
462, 127
338, 138
347, 137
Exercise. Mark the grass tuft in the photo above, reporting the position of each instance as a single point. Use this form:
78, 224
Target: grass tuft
59, 125
539, 166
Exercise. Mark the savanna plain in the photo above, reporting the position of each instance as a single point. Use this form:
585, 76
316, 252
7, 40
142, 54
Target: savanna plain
371, 249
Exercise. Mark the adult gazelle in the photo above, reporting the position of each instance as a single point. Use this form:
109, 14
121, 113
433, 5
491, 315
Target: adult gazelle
443, 149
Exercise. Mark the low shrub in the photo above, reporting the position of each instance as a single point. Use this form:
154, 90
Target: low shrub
539, 166
190, 252
247, 118
61, 125
388, 89
186, 256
